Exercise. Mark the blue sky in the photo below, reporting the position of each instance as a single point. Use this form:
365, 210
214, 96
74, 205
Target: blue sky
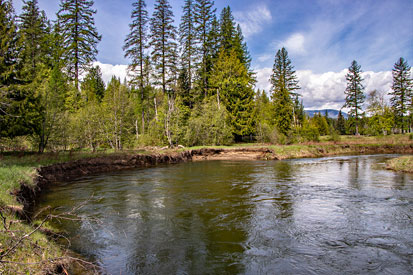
321, 36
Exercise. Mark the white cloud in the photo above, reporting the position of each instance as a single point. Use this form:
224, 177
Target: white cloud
252, 21
294, 44
326, 90
109, 70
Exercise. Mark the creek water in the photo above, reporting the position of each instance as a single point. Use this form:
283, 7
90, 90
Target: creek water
335, 215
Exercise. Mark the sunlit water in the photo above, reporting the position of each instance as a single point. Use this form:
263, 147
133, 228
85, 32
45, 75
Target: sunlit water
339, 215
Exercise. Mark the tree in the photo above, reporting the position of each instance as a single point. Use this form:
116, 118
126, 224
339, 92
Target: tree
34, 29
163, 34
381, 119
233, 86
80, 36
341, 123
135, 45
204, 15
187, 39
402, 94
354, 93
284, 83
52, 96
164, 56
116, 113
8, 55
93, 85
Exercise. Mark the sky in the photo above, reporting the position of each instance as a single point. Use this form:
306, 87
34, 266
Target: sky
322, 38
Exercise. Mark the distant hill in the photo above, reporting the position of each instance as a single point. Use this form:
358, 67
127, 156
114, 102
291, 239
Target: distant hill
331, 113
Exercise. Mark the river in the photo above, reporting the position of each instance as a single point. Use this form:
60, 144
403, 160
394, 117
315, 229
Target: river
335, 215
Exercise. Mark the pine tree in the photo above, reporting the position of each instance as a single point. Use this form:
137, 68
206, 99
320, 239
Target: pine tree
284, 83
34, 29
80, 36
204, 15
187, 39
354, 93
227, 30
402, 94
135, 46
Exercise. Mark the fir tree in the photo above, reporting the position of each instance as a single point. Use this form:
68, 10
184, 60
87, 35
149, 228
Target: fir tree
401, 99
341, 123
234, 90
284, 83
80, 36
164, 54
354, 93
204, 15
135, 46
187, 39
34, 29
227, 30
93, 85
163, 34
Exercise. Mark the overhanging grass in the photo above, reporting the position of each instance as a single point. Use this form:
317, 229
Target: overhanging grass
402, 164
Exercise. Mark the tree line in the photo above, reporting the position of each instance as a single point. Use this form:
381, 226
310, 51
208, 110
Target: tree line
187, 85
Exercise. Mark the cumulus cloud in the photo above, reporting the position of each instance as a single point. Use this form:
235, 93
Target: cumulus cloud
326, 90
294, 44
252, 21
109, 70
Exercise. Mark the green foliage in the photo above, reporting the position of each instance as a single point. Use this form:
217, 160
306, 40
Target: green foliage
354, 93
163, 35
208, 125
402, 95
93, 87
284, 83
187, 39
233, 90
341, 124
79, 35
34, 30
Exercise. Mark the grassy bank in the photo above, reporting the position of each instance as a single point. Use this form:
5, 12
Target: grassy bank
401, 164
24, 249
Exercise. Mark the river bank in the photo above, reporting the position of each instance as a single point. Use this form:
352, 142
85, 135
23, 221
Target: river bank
24, 176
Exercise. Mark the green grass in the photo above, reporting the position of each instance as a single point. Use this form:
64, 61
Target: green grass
402, 164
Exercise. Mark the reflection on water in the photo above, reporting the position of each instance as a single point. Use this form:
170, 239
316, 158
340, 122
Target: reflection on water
323, 216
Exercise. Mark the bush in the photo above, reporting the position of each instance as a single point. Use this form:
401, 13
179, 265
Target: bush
208, 125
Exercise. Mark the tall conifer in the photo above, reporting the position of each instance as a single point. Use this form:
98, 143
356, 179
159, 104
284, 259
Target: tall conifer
204, 15
79, 35
402, 94
187, 39
284, 84
354, 92
135, 45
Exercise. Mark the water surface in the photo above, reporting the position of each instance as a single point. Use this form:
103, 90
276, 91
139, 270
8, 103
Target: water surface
337, 215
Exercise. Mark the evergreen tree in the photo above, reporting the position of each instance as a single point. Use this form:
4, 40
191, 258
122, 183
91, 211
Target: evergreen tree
204, 14
135, 46
227, 30
234, 89
284, 83
354, 93
19, 112
341, 123
93, 86
34, 29
164, 55
187, 39
402, 94
163, 34
80, 36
